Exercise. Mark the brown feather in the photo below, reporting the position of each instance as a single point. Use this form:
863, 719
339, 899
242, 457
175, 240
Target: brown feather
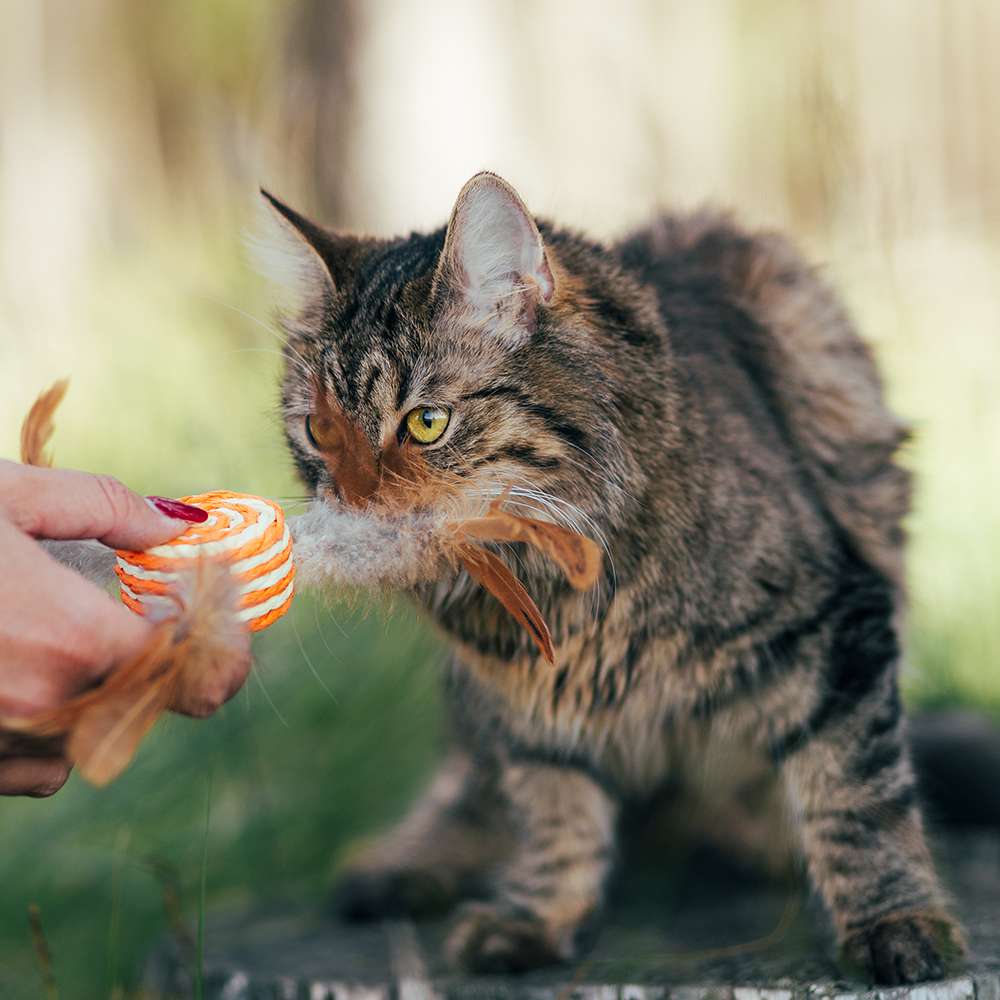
179, 669
38, 426
113, 724
578, 557
489, 571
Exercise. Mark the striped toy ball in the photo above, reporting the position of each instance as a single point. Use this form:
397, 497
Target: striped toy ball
249, 531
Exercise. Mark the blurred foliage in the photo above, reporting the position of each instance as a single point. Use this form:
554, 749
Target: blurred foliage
300, 766
132, 139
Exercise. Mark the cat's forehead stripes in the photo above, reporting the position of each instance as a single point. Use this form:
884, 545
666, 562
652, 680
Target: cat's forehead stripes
379, 327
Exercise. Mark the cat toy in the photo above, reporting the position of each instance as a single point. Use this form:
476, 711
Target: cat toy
248, 532
207, 588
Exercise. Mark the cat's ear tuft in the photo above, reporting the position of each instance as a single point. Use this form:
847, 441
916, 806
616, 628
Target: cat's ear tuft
495, 260
304, 258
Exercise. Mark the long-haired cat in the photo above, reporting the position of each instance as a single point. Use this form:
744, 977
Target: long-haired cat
694, 399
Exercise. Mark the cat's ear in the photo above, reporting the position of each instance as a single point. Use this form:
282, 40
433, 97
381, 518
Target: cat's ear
494, 259
309, 260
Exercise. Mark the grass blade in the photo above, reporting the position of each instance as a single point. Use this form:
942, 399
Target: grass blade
201, 893
42, 951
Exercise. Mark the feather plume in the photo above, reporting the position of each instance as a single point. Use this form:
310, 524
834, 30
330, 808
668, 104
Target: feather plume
38, 425
578, 557
489, 571
181, 668
340, 544
92, 559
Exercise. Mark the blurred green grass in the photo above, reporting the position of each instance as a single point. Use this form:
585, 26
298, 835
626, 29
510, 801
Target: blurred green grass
297, 774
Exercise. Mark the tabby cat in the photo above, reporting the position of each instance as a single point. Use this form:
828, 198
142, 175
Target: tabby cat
694, 399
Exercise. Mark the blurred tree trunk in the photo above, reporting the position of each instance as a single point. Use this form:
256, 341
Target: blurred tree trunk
321, 74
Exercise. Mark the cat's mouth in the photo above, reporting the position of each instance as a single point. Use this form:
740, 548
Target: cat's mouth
390, 519
374, 545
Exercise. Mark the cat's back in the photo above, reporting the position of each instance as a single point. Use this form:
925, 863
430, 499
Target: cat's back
758, 331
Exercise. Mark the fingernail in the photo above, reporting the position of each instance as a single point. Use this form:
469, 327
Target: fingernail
178, 510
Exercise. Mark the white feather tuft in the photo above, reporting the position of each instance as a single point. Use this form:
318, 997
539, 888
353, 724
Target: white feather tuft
336, 545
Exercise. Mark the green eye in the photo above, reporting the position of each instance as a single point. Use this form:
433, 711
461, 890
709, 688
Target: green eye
427, 423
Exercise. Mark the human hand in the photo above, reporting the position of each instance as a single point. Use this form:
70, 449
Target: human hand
61, 635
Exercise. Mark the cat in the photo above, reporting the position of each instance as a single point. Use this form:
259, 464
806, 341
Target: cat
694, 399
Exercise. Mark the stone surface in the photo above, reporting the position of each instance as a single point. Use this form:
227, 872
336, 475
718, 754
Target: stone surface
700, 931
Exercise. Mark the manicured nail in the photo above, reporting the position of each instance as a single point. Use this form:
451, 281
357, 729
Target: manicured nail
178, 510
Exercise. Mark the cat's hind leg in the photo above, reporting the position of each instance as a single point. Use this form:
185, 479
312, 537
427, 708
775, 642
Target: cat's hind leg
553, 883
438, 855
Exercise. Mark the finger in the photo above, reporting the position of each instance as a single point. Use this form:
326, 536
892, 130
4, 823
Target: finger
62, 503
34, 776
59, 633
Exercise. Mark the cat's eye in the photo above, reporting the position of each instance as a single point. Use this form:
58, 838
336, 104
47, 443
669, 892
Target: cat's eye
427, 423
323, 433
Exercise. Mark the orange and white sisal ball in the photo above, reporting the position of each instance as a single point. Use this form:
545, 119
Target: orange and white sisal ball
248, 531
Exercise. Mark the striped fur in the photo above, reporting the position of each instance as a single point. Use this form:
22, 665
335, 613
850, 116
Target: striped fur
694, 398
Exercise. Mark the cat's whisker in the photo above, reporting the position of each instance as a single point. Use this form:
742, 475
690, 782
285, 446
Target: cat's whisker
319, 630
263, 350
292, 356
253, 319
591, 471
277, 334
309, 662
297, 359
340, 627
562, 511
256, 674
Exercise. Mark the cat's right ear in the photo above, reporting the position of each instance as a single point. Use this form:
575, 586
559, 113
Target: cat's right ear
494, 261
311, 262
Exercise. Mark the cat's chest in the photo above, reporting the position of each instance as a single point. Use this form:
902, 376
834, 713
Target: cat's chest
619, 699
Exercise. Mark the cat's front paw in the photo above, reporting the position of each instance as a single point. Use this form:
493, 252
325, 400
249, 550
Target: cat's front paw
905, 947
376, 894
487, 940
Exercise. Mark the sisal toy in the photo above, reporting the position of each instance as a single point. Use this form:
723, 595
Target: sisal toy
234, 573
247, 532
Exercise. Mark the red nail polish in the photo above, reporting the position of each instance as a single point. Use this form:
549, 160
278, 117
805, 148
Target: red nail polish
178, 510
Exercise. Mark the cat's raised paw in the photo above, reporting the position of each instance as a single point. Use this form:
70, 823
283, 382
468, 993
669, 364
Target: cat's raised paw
905, 947
487, 940
377, 894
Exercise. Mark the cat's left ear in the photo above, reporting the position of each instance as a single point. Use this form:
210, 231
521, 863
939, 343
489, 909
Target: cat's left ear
310, 260
494, 259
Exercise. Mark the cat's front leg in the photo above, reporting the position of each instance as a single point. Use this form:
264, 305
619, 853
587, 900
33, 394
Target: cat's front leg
553, 884
439, 854
853, 795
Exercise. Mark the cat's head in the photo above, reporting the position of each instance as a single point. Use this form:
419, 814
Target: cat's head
469, 360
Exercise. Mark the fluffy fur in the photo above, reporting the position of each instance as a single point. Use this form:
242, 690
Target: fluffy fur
694, 398
94, 560
344, 546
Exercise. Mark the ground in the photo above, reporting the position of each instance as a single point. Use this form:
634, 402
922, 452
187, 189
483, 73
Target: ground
702, 930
